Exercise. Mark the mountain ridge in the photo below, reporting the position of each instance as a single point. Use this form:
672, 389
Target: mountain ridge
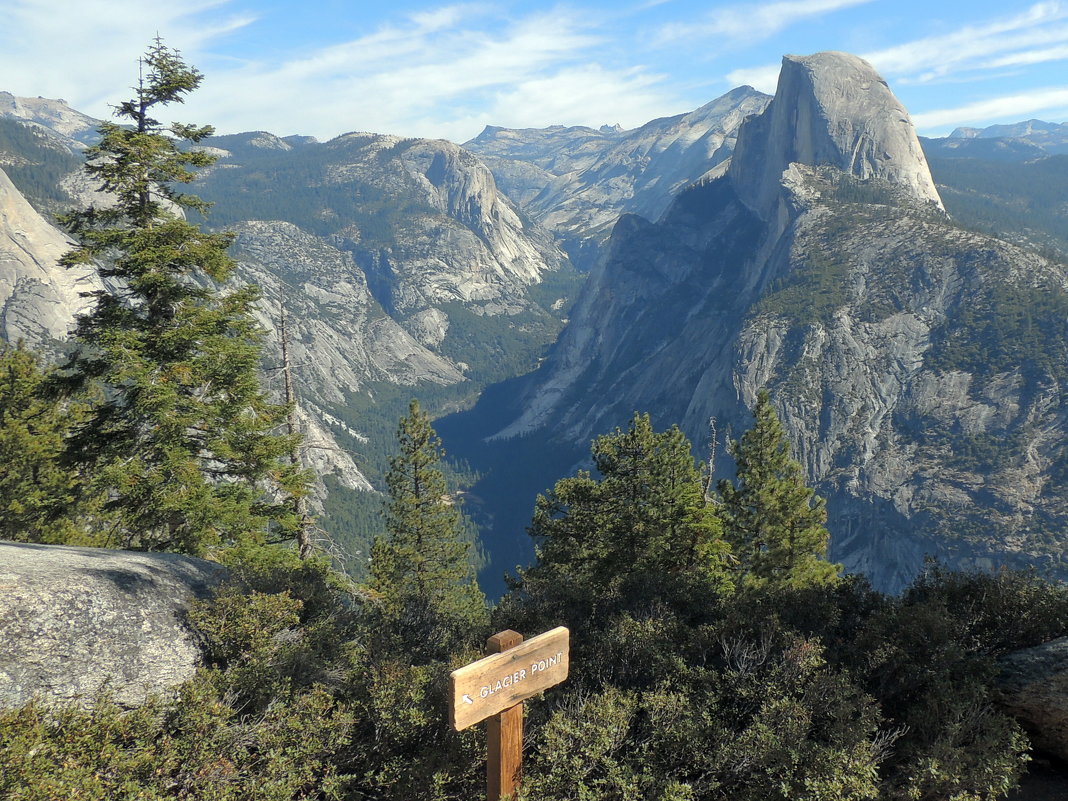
839, 284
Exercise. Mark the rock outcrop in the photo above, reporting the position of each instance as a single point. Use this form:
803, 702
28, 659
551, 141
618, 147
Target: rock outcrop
829, 109
50, 115
421, 220
38, 299
75, 621
1033, 687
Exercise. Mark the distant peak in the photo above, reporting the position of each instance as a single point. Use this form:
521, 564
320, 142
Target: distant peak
829, 108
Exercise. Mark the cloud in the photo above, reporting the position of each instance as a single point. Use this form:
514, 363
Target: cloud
1023, 39
438, 71
764, 79
1007, 107
440, 74
1036, 35
749, 23
933, 58
1029, 58
78, 50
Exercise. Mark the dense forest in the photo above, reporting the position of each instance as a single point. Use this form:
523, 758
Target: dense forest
716, 652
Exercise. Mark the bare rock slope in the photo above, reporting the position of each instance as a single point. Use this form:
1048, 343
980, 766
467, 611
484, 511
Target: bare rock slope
578, 181
38, 299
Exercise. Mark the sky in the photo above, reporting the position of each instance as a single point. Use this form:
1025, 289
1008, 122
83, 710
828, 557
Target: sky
445, 70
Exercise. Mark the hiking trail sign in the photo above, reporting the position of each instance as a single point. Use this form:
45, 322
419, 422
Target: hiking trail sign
495, 688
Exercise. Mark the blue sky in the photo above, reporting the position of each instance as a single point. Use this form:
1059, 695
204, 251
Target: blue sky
324, 67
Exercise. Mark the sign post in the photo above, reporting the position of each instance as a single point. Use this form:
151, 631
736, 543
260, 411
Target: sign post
495, 688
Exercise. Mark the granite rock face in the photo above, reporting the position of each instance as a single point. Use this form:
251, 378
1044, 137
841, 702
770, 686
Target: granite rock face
76, 620
577, 181
38, 299
51, 115
829, 109
1033, 688
402, 270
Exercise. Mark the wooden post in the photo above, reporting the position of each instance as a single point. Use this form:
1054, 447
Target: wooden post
504, 763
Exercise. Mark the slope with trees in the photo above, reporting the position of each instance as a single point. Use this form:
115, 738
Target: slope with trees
183, 439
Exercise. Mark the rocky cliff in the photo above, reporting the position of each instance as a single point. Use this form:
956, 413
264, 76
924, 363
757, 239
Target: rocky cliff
401, 269
38, 299
50, 115
440, 249
577, 181
829, 109
917, 366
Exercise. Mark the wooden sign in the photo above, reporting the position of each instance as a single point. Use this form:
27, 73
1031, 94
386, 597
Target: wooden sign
495, 688
502, 680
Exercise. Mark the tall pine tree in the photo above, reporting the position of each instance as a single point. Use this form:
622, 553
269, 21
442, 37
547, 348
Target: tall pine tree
773, 521
645, 518
182, 442
421, 568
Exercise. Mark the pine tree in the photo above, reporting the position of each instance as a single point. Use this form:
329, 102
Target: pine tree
421, 568
646, 516
773, 521
182, 442
39, 496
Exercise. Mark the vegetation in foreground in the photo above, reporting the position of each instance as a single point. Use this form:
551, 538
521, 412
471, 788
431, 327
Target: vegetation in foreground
716, 654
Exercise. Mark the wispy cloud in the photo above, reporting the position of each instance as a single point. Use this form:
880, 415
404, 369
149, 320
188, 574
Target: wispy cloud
1027, 38
1029, 58
969, 48
1008, 107
762, 78
974, 52
444, 73
752, 21
43, 43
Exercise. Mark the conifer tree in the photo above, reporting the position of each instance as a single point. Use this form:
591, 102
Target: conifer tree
182, 442
421, 568
38, 495
646, 515
773, 521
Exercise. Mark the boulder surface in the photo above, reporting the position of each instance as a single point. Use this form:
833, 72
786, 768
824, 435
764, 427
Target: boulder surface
74, 621
1034, 690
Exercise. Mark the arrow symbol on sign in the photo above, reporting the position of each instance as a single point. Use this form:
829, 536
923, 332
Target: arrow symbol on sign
467, 699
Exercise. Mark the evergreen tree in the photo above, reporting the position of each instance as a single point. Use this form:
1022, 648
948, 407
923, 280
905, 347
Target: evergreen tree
38, 495
182, 441
645, 521
422, 569
773, 521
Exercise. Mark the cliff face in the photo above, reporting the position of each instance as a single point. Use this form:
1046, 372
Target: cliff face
38, 299
917, 366
421, 220
402, 270
50, 115
829, 109
577, 181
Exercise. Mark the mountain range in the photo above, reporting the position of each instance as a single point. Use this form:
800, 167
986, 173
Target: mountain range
800, 243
